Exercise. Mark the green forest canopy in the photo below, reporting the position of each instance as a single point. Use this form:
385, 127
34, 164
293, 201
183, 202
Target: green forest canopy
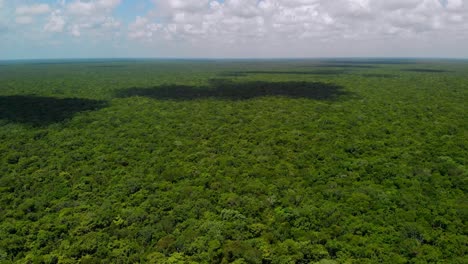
276, 161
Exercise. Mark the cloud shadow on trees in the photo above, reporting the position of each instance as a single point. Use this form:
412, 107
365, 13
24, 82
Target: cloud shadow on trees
370, 61
109, 66
358, 66
314, 72
227, 90
42, 111
379, 75
425, 70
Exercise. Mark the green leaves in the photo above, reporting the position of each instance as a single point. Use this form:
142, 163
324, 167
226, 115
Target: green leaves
206, 175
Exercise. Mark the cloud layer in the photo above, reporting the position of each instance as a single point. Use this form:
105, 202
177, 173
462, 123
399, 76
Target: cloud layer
245, 28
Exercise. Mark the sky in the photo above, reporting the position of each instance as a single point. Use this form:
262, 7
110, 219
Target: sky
39, 29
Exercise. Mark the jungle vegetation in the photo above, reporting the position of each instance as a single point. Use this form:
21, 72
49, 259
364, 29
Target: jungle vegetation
241, 161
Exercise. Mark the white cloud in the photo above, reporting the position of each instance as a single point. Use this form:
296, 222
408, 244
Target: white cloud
75, 31
89, 8
281, 24
24, 20
56, 22
26, 14
31, 10
246, 25
181, 5
110, 23
397, 4
303, 18
455, 4
108, 4
85, 18
143, 29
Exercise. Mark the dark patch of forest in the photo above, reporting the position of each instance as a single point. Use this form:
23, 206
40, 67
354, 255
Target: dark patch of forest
379, 75
333, 65
425, 70
39, 111
222, 89
373, 61
315, 72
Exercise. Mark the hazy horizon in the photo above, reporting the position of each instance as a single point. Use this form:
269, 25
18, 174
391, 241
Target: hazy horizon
324, 59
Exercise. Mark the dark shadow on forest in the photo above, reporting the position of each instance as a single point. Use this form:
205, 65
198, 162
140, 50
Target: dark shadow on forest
379, 75
344, 66
315, 72
222, 89
109, 66
42, 111
232, 74
425, 70
370, 61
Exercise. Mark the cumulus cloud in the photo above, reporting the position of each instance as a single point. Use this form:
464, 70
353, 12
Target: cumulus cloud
89, 8
24, 20
141, 28
79, 18
31, 10
454, 4
171, 6
308, 25
301, 19
56, 22
25, 14
75, 30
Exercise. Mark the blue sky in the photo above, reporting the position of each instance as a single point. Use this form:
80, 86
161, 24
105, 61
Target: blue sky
32, 29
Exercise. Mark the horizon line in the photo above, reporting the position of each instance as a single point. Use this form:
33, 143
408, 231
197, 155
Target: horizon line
233, 58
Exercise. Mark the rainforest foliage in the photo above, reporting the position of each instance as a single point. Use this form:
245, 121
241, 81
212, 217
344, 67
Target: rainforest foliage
274, 161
